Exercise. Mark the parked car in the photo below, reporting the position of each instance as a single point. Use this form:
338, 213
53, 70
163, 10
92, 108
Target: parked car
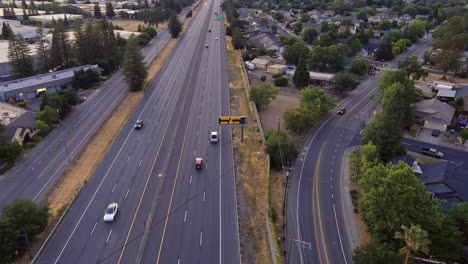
435, 132
432, 152
111, 212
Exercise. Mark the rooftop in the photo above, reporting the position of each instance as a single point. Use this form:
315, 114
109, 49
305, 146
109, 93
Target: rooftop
435, 111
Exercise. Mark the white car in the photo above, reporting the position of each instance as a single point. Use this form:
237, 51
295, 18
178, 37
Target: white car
216, 38
111, 212
214, 137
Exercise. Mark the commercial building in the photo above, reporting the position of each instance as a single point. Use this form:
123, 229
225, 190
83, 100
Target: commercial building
32, 87
48, 18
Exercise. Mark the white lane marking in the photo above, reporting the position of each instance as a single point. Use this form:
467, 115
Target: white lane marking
140, 163
139, 138
332, 163
197, 133
331, 178
114, 187
204, 195
128, 190
206, 166
337, 145
333, 156
194, 152
185, 216
332, 195
149, 140
201, 238
335, 150
108, 236
93, 228
190, 179
129, 158
331, 187
339, 235
178, 261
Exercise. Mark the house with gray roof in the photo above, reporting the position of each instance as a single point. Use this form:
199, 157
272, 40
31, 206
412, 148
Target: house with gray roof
21, 128
434, 114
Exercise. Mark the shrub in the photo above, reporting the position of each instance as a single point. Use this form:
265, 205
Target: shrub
281, 81
263, 78
23, 104
36, 139
276, 75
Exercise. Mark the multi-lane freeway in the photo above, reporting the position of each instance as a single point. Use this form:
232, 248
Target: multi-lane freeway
36, 174
169, 212
317, 227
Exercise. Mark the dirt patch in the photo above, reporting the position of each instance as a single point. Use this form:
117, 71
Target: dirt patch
362, 228
277, 188
438, 77
132, 25
251, 171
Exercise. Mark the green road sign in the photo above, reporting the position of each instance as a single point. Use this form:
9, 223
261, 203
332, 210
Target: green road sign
219, 16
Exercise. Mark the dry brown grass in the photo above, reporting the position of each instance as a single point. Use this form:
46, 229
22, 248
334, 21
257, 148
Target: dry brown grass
438, 77
132, 25
253, 168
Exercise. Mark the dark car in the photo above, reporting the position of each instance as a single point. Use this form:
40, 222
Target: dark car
435, 132
342, 111
139, 124
209, 30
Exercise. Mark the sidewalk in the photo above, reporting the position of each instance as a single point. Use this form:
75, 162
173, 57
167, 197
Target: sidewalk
347, 205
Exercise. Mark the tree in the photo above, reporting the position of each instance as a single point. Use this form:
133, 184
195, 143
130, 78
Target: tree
263, 94
310, 34
384, 51
20, 57
61, 55
10, 152
426, 57
316, 100
448, 60
293, 53
281, 81
298, 120
359, 67
327, 39
237, 39
28, 217
281, 150
354, 45
273, 27
43, 50
412, 68
110, 10
278, 16
464, 135
416, 30
362, 15
385, 24
2, 130
458, 216
301, 77
134, 68
386, 136
415, 239
376, 253
305, 17
43, 127
6, 30
297, 28
344, 82
328, 58
85, 79
97, 11
174, 25
48, 115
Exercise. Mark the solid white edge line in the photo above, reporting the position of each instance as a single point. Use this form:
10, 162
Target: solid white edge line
339, 235
92, 231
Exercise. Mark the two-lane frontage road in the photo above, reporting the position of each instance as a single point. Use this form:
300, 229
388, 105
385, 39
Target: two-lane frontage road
317, 231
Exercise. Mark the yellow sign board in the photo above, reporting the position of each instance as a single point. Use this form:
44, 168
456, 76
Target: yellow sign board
232, 120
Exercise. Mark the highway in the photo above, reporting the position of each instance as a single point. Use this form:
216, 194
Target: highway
169, 211
36, 174
317, 229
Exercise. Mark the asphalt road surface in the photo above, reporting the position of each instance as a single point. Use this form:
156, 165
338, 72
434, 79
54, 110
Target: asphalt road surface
169, 211
35, 175
317, 230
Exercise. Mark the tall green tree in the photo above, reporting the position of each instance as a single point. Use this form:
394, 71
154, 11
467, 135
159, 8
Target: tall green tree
354, 45
174, 25
294, 52
134, 68
359, 67
6, 30
281, 150
384, 51
310, 34
376, 253
61, 54
43, 51
416, 240
344, 82
301, 77
20, 57
316, 100
97, 11
10, 152
48, 115
263, 93
448, 60
330, 59
237, 39
299, 120
386, 136
412, 68
110, 10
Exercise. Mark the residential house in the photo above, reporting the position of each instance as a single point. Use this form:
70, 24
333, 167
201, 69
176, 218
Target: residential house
405, 19
374, 19
329, 13
422, 17
444, 180
277, 68
266, 40
260, 63
343, 29
21, 128
434, 114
